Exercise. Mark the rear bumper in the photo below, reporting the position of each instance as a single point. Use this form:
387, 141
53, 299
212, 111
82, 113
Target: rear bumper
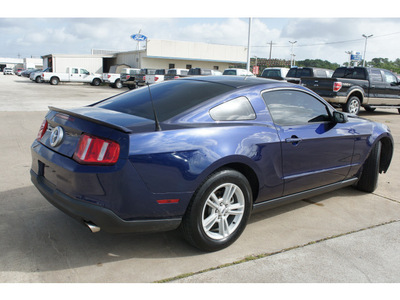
104, 218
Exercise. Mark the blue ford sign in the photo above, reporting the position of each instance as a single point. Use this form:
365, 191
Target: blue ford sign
356, 57
139, 37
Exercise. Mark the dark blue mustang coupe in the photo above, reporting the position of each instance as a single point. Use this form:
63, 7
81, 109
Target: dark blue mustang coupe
202, 154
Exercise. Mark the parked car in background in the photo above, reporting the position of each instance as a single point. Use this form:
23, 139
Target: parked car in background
27, 72
114, 80
113, 77
37, 75
275, 73
203, 72
8, 71
176, 73
129, 76
19, 71
237, 72
72, 74
296, 73
356, 87
157, 77
202, 154
141, 77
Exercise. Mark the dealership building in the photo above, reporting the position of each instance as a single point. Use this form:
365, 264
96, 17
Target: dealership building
157, 54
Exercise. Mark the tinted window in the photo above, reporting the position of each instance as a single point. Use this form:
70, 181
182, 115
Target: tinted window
306, 73
172, 72
233, 110
353, 73
375, 76
195, 71
229, 72
289, 107
271, 73
170, 98
292, 73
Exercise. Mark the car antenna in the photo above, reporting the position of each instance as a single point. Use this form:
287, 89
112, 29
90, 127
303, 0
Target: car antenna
158, 127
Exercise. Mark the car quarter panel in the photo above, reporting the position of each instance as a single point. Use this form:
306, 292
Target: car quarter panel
179, 161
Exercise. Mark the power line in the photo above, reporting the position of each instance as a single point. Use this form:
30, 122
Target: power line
328, 43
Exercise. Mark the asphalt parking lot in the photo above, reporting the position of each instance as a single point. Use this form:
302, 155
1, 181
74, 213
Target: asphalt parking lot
343, 236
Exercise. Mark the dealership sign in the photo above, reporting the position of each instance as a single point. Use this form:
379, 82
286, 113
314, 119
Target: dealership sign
356, 57
139, 37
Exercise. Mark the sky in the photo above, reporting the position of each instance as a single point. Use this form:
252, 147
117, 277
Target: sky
31, 30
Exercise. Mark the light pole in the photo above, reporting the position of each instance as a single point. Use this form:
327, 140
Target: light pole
291, 59
248, 46
365, 47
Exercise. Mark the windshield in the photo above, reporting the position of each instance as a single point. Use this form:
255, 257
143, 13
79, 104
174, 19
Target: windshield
170, 98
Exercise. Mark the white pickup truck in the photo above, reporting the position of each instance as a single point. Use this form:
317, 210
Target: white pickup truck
73, 74
155, 78
113, 79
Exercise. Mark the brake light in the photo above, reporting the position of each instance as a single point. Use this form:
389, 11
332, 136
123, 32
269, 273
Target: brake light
176, 77
42, 130
128, 76
155, 78
93, 150
337, 86
108, 76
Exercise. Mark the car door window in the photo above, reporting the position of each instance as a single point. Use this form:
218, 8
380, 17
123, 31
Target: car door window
292, 107
74, 71
389, 77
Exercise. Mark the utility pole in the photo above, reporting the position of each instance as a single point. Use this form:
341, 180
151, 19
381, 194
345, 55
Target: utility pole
270, 49
292, 55
365, 47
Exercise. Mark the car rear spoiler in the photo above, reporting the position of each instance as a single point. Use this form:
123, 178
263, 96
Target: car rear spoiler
80, 116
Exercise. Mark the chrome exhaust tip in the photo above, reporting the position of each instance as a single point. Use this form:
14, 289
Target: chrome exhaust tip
93, 228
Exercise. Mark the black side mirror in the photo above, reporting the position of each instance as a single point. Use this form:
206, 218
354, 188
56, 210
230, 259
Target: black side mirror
339, 117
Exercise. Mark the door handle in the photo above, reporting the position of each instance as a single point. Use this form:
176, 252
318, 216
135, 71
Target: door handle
294, 140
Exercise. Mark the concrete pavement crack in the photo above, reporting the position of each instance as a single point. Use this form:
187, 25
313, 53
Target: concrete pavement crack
263, 255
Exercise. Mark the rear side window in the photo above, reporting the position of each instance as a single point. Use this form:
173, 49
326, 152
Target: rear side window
375, 76
170, 98
229, 72
290, 107
271, 73
238, 109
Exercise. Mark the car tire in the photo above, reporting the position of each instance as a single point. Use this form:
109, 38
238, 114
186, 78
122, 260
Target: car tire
96, 82
368, 181
352, 105
54, 80
38, 79
118, 84
218, 211
132, 86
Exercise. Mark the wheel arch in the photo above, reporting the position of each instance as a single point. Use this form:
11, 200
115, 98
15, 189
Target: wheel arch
243, 168
358, 93
386, 154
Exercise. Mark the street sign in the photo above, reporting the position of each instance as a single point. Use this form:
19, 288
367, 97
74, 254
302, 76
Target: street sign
139, 37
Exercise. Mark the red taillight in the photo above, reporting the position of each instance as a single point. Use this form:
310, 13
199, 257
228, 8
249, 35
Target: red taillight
337, 86
176, 77
93, 150
42, 130
128, 76
108, 76
155, 78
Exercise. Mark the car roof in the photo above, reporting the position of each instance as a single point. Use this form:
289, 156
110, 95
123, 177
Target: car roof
234, 81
